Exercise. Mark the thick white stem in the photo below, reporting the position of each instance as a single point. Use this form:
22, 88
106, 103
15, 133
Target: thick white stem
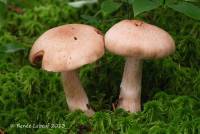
75, 95
130, 93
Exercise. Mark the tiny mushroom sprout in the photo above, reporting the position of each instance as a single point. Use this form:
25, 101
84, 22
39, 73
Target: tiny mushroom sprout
65, 49
136, 40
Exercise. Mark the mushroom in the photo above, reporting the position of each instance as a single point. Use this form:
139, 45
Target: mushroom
136, 40
65, 49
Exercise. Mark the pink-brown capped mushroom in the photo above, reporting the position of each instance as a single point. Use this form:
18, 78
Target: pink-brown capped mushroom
65, 49
136, 40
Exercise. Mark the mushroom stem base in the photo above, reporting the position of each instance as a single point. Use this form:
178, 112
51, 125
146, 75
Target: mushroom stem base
130, 93
75, 94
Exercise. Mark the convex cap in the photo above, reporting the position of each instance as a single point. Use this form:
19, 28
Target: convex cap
67, 47
138, 39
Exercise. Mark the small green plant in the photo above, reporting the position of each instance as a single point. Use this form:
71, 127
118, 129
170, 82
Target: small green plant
139, 6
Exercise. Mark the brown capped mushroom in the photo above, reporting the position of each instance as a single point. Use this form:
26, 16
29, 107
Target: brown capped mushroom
136, 40
65, 49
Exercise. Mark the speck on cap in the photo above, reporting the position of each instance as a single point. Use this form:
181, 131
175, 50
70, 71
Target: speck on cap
67, 47
138, 39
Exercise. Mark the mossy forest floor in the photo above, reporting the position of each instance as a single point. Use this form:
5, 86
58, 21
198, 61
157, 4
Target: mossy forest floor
29, 95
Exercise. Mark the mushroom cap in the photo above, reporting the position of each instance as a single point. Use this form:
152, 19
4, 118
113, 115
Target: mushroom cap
67, 47
134, 38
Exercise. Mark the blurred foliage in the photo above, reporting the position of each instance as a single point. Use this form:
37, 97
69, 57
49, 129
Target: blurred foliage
170, 86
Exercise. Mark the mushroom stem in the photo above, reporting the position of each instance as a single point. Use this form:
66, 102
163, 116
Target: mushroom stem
130, 93
75, 94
